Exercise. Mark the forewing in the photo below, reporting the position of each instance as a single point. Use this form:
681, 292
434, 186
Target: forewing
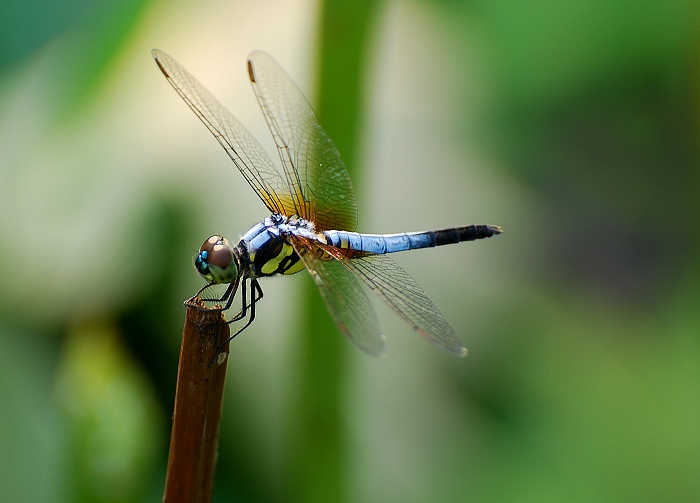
245, 151
316, 175
343, 295
401, 292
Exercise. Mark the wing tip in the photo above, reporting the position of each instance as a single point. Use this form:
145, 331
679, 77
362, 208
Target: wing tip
158, 56
255, 55
375, 350
251, 73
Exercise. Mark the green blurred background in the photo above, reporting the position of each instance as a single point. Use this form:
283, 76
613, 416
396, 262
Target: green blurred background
573, 125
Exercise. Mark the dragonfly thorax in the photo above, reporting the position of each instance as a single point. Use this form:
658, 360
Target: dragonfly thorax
265, 249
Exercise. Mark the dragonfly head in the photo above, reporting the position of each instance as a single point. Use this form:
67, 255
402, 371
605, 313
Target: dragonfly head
216, 260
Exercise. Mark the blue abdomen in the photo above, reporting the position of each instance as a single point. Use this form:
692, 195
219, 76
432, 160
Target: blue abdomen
390, 243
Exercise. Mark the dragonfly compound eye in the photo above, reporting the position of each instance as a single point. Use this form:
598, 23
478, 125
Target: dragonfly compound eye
216, 261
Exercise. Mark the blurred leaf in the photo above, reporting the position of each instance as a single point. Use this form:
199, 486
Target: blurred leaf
590, 109
116, 434
317, 457
30, 428
78, 36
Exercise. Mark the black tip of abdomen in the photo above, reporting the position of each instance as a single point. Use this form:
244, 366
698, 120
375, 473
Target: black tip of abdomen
473, 232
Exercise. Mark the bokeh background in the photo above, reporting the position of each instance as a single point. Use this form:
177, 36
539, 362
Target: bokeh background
574, 125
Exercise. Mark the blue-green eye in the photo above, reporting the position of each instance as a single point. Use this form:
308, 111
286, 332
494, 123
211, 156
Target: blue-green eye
216, 261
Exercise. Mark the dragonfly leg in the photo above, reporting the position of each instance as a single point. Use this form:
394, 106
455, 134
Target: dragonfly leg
191, 301
230, 293
244, 304
228, 296
256, 294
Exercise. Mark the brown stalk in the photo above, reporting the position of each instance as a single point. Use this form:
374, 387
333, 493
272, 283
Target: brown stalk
198, 399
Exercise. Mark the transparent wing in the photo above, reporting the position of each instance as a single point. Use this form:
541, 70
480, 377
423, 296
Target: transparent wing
316, 175
407, 299
245, 151
343, 295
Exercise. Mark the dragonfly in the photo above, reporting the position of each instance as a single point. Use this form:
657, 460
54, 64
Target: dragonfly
313, 217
